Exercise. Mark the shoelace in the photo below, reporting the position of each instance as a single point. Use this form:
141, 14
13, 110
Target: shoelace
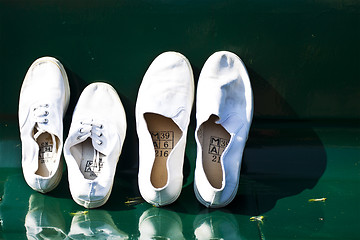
40, 113
90, 128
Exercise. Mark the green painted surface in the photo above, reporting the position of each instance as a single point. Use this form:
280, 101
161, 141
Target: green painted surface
285, 165
303, 58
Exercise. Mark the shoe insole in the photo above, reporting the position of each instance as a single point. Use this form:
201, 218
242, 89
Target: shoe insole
92, 161
213, 139
47, 157
165, 135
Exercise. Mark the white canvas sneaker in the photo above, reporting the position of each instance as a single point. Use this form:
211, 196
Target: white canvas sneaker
94, 144
163, 110
224, 113
43, 101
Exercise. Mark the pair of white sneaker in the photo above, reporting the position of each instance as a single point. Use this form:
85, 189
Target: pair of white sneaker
95, 138
224, 110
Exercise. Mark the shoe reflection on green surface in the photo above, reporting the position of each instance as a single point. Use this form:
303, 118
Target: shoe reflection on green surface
44, 219
158, 223
216, 225
94, 224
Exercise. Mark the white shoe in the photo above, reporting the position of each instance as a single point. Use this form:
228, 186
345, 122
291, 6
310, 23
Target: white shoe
44, 98
163, 110
224, 111
94, 144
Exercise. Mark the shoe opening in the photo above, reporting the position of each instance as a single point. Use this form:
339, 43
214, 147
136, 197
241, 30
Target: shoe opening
165, 135
89, 160
48, 153
213, 139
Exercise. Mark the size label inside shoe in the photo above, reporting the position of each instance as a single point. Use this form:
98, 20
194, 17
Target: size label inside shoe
217, 146
93, 168
45, 151
163, 142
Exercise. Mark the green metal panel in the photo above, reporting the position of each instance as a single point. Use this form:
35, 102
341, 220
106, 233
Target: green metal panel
303, 58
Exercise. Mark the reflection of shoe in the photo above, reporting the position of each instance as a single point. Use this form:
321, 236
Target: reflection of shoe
94, 144
224, 111
157, 223
44, 98
163, 110
216, 225
95, 224
44, 219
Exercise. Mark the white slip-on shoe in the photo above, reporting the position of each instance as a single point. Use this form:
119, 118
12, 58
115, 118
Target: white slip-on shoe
93, 146
224, 110
44, 98
163, 110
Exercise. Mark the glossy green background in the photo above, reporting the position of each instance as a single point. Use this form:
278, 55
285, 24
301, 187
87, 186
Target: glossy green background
303, 58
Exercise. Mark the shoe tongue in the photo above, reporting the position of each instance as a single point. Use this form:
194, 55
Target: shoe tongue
96, 147
41, 131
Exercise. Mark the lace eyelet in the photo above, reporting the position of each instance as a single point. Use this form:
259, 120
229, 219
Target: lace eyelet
100, 134
46, 121
101, 126
46, 113
81, 130
46, 105
99, 142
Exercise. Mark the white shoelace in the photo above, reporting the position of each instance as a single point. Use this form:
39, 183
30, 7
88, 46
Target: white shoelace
40, 113
90, 128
